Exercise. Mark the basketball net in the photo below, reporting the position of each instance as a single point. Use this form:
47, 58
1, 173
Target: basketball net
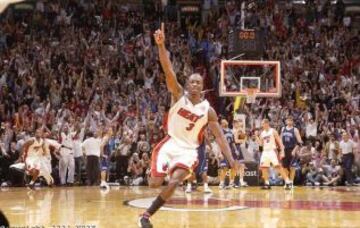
251, 95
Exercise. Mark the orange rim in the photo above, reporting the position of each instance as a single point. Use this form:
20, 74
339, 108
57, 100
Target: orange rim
251, 94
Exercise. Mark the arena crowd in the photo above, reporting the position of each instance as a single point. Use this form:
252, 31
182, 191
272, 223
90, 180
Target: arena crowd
86, 71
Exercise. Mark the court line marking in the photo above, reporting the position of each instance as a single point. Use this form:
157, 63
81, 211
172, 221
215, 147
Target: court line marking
144, 203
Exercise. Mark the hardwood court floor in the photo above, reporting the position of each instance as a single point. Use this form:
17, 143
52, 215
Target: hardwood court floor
249, 207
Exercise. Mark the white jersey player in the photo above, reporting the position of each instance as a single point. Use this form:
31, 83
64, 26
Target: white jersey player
188, 117
37, 158
186, 125
270, 140
193, 118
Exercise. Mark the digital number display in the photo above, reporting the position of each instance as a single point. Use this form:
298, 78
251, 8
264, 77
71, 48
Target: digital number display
190, 9
249, 42
247, 35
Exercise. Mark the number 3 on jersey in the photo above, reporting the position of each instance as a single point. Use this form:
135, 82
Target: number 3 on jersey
190, 127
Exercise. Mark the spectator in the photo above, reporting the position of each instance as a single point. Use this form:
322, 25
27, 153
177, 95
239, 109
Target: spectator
213, 167
145, 162
253, 149
306, 153
78, 154
332, 148
136, 170
275, 177
333, 173
347, 147
143, 145
122, 157
311, 126
7, 158
313, 176
67, 161
206, 7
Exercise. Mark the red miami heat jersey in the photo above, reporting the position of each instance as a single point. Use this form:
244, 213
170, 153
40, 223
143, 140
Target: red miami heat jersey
187, 122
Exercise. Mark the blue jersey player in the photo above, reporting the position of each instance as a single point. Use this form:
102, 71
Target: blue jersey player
224, 166
291, 139
105, 159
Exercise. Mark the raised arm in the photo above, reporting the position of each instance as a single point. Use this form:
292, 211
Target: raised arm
136, 131
171, 81
117, 116
103, 116
220, 137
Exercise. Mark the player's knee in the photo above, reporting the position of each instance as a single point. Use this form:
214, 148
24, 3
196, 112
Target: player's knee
174, 182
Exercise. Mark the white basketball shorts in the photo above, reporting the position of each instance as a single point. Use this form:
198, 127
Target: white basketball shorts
269, 157
167, 156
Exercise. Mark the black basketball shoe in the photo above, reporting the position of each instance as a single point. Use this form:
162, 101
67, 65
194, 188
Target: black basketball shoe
144, 222
288, 186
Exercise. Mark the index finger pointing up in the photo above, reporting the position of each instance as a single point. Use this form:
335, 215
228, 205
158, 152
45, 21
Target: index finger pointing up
163, 27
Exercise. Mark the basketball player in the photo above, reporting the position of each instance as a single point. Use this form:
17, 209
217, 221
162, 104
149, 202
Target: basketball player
269, 138
105, 159
35, 153
223, 169
292, 140
188, 117
240, 141
224, 166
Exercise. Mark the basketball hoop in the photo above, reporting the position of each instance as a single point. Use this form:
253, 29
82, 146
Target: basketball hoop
251, 95
236, 76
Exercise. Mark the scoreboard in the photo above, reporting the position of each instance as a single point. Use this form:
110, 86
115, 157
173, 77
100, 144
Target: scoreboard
248, 41
189, 11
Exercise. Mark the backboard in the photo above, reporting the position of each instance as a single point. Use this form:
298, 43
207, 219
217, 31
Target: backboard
238, 77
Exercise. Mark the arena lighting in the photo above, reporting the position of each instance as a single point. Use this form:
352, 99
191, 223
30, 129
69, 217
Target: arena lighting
5, 3
302, 2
